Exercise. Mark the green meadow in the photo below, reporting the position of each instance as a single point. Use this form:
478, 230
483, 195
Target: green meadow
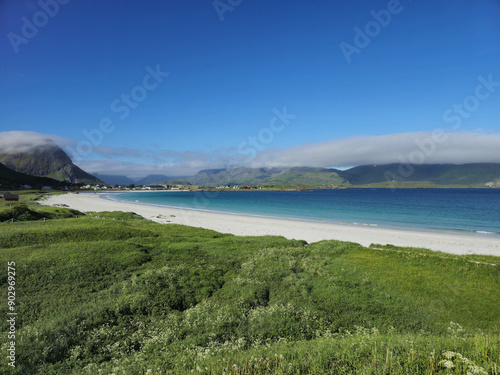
113, 293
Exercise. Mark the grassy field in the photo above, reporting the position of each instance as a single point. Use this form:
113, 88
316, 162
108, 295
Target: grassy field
114, 293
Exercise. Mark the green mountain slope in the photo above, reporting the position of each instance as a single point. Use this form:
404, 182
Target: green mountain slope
307, 176
12, 179
46, 161
440, 174
268, 176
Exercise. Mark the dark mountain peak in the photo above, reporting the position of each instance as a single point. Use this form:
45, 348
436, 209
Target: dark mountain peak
43, 158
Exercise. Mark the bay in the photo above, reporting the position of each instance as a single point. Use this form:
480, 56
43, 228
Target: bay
475, 210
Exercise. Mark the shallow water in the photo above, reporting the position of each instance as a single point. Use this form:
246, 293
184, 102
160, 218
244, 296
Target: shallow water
475, 210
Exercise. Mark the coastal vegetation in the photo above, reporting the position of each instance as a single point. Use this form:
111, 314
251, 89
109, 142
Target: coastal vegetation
111, 292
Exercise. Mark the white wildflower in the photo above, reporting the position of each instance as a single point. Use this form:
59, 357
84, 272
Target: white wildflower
476, 370
448, 364
449, 355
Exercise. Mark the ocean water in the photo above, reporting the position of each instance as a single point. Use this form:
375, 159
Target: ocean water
474, 210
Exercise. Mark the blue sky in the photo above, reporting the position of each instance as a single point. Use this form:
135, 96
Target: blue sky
234, 65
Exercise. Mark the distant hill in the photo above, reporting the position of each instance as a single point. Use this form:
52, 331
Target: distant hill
432, 174
477, 174
48, 160
439, 174
176, 181
152, 179
12, 179
114, 180
268, 176
148, 180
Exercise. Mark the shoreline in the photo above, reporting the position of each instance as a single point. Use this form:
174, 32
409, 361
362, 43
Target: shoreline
262, 216
310, 231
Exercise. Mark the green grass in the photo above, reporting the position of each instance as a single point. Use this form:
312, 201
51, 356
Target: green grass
310, 178
27, 209
115, 293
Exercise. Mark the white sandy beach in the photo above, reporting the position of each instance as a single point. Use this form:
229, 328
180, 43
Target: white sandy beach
310, 231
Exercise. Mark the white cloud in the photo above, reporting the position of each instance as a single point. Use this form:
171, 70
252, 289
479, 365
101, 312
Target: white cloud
168, 162
416, 148
13, 142
136, 170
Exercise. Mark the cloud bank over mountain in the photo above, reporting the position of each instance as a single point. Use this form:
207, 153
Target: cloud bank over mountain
15, 142
413, 148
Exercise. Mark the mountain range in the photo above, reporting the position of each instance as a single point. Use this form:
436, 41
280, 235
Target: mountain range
438, 174
114, 179
430, 174
267, 176
29, 166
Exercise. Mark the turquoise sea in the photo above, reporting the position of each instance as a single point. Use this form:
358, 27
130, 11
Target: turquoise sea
473, 210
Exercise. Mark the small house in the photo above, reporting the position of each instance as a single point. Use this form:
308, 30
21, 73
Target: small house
10, 197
